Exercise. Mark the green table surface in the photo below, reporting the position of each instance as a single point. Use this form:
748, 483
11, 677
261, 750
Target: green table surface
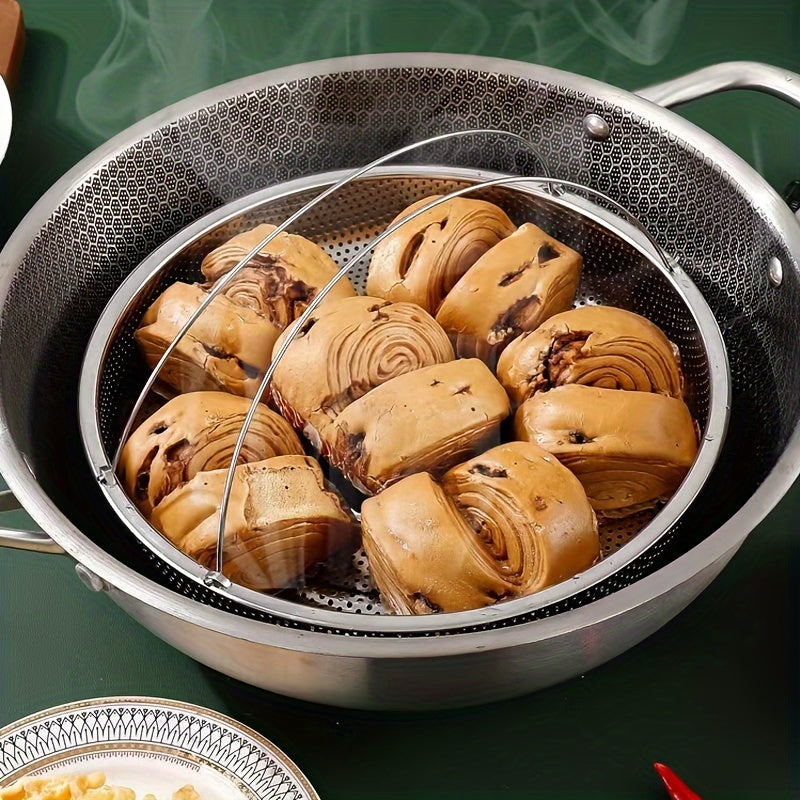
714, 693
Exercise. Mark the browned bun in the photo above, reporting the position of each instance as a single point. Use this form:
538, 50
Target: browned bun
423, 421
344, 350
197, 432
423, 259
228, 348
505, 524
281, 279
602, 346
282, 520
628, 449
512, 288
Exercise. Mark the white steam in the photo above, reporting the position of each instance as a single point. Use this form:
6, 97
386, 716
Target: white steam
557, 31
640, 30
164, 50
159, 54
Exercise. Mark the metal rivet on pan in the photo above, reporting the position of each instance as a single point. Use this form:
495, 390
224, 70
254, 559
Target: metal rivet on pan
596, 126
775, 271
92, 582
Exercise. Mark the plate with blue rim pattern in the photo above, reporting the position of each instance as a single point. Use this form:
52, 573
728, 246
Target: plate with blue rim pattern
152, 746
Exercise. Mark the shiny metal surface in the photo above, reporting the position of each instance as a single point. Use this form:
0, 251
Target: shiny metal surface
778, 82
690, 175
91, 581
21, 539
596, 127
28, 540
775, 271
416, 674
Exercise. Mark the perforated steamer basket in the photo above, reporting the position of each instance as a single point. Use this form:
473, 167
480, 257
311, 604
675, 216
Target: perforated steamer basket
727, 229
622, 267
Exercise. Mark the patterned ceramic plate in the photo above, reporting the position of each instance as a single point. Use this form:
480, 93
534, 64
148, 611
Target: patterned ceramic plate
152, 746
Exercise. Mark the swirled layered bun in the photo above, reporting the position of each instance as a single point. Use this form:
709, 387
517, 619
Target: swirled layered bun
423, 421
283, 519
512, 288
344, 350
228, 348
281, 279
630, 450
421, 261
602, 346
197, 432
505, 524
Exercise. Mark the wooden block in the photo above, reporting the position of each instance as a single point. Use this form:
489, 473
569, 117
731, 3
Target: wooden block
12, 40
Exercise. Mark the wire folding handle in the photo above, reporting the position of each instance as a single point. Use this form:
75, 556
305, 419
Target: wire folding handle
535, 185
228, 277
543, 186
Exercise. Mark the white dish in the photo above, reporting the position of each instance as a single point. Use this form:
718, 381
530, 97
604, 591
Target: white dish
5, 118
152, 746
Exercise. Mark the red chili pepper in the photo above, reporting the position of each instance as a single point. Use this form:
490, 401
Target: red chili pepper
677, 789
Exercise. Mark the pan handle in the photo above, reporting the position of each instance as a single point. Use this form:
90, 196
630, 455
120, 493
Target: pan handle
23, 540
722, 77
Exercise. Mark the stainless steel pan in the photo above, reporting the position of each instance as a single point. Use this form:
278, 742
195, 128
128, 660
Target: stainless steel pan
729, 231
